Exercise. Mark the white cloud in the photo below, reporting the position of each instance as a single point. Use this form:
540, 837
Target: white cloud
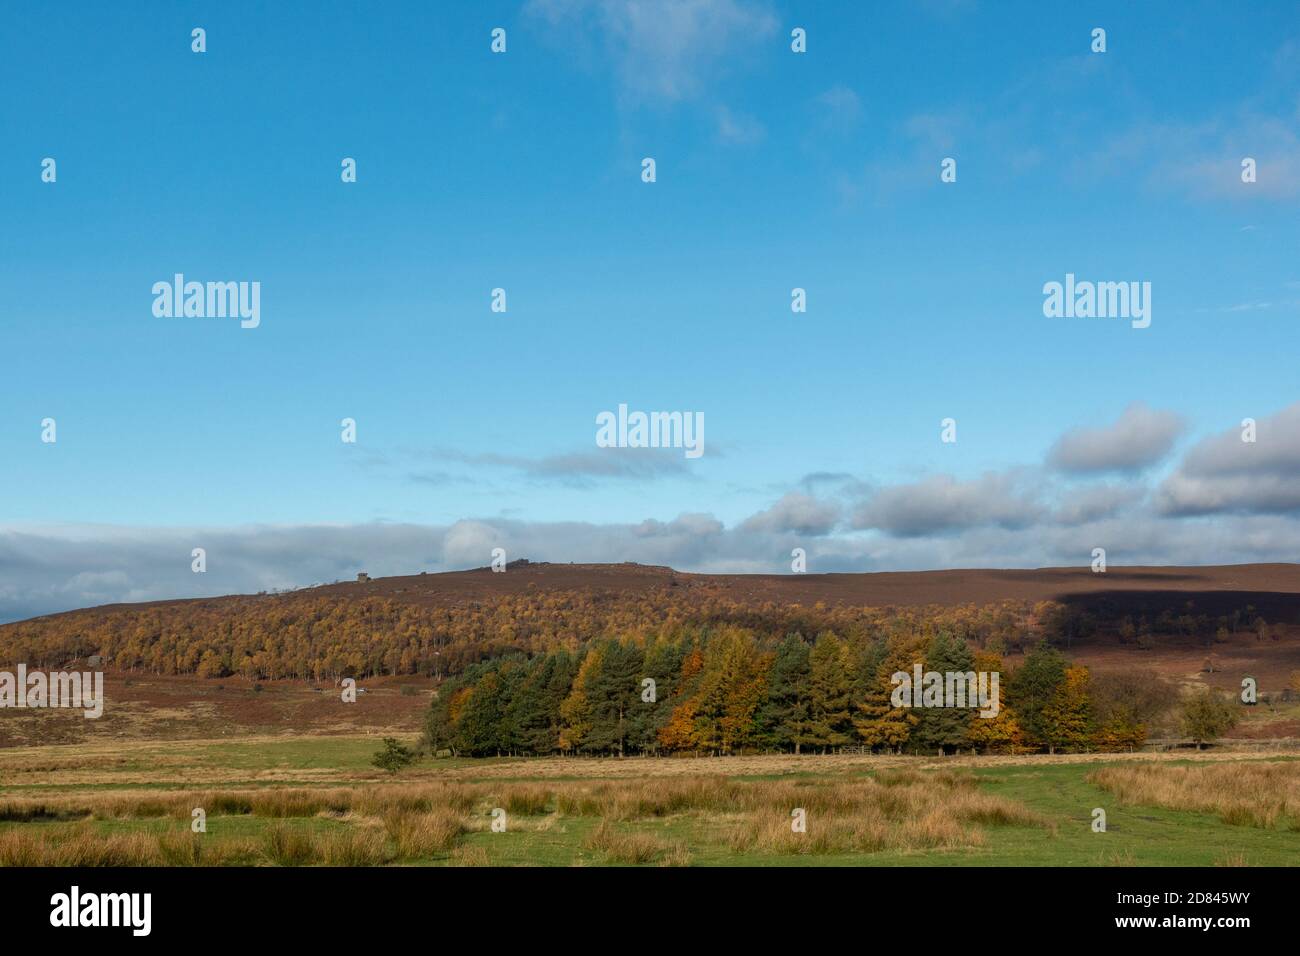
577, 468
1141, 437
942, 505
56, 569
798, 513
663, 51
1096, 503
1225, 474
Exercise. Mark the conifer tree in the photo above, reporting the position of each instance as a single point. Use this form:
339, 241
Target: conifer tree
878, 722
1000, 733
613, 691
663, 665
782, 718
731, 686
478, 731
944, 727
829, 722
533, 711
576, 711
1032, 688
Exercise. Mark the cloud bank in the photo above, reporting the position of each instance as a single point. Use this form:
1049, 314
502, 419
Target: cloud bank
1224, 501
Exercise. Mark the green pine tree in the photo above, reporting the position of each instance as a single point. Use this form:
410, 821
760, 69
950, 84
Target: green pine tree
479, 730
613, 693
782, 718
942, 728
663, 665
394, 756
1032, 689
532, 713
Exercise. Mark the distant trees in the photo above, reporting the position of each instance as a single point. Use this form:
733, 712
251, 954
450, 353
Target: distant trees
725, 690
1206, 716
612, 688
879, 724
576, 708
1002, 732
306, 636
1126, 704
482, 729
534, 712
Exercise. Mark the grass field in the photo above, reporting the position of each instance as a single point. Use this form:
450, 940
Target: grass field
303, 800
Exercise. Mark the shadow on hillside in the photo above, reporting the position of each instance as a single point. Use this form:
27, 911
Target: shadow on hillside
1276, 607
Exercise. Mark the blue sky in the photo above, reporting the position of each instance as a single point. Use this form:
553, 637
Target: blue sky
522, 171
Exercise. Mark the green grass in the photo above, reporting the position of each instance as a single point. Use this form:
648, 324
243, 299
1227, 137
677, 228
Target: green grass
1135, 836
1059, 792
305, 753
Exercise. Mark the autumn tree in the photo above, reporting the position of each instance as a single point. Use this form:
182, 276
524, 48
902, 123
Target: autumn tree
732, 684
878, 722
1206, 716
663, 665
576, 709
829, 722
678, 731
1126, 703
1067, 717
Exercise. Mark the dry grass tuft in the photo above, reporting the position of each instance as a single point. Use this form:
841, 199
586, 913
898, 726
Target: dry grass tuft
418, 835
1262, 794
625, 849
354, 847
288, 845
469, 856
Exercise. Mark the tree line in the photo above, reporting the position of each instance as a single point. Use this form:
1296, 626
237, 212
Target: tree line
726, 690
306, 635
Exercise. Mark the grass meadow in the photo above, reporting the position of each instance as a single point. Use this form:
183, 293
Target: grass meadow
313, 800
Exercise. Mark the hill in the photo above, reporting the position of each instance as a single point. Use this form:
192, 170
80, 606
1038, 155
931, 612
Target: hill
1272, 586
186, 667
437, 624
